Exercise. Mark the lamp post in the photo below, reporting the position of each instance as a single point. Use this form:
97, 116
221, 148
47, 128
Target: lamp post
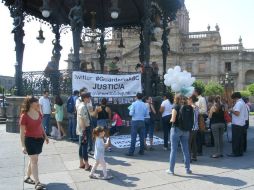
227, 82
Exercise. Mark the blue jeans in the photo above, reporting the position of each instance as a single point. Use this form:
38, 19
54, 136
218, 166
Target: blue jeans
137, 127
102, 122
177, 135
83, 148
72, 124
45, 122
149, 127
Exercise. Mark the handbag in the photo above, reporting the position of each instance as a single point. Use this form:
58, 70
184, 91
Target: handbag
227, 117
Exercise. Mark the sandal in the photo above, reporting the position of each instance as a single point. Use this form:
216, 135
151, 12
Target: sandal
39, 186
82, 167
89, 168
29, 180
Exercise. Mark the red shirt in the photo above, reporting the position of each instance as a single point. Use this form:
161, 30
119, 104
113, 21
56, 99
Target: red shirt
118, 120
33, 128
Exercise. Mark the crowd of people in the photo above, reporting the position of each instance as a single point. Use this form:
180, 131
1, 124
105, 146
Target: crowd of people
184, 121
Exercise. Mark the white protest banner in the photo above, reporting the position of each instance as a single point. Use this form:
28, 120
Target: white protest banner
104, 85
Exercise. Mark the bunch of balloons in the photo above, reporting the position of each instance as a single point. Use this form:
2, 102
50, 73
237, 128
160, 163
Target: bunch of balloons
179, 81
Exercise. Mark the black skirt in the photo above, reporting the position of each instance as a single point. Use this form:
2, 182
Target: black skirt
33, 145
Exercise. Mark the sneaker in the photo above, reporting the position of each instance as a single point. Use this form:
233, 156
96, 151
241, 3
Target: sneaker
91, 176
165, 148
169, 172
108, 177
91, 153
188, 171
109, 149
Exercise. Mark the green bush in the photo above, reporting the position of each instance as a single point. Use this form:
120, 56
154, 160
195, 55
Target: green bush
250, 88
213, 88
245, 93
199, 84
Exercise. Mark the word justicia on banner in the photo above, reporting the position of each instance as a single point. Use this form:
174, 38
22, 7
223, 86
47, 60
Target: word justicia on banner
107, 85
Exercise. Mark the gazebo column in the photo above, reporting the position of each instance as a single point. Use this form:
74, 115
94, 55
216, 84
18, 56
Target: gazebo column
18, 17
147, 35
56, 53
141, 47
165, 47
77, 23
102, 50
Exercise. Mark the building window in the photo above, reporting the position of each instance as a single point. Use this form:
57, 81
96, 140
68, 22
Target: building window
227, 66
201, 67
195, 47
188, 67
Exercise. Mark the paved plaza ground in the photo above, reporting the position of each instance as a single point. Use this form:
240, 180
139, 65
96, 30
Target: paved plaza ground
58, 167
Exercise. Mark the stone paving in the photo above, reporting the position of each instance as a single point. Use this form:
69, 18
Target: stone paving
58, 167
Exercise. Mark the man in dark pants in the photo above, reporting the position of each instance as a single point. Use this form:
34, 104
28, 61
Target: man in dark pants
239, 114
246, 100
138, 112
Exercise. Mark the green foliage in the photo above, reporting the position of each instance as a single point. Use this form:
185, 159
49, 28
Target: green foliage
250, 88
213, 88
199, 84
245, 93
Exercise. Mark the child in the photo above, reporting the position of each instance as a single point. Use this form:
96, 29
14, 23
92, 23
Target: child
98, 134
117, 123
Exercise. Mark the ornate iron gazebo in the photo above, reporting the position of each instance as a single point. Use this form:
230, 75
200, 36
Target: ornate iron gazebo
94, 14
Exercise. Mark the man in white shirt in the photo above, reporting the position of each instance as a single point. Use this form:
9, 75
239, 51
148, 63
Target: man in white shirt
239, 114
45, 107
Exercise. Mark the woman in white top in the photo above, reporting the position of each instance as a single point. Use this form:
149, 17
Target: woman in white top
166, 111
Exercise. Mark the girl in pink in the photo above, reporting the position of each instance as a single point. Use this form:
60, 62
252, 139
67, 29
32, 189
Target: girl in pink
117, 123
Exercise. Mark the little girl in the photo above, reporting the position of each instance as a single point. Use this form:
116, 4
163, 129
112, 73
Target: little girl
98, 134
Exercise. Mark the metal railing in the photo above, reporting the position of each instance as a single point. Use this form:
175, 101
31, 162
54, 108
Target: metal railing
35, 82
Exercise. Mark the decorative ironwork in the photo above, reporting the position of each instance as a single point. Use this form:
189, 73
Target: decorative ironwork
102, 50
77, 23
18, 17
35, 82
165, 46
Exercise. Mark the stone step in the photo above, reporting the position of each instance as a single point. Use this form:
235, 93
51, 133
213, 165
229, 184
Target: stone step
2, 120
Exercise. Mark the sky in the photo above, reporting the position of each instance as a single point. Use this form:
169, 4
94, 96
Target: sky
234, 18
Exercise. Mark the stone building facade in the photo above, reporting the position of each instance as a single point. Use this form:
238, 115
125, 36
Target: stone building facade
200, 53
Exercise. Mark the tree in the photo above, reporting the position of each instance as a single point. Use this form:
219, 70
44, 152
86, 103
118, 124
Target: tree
213, 88
245, 93
199, 84
250, 88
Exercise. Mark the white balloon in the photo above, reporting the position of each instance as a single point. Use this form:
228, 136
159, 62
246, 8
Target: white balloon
177, 68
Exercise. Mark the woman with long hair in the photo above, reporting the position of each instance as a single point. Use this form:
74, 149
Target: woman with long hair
216, 115
177, 133
58, 106
32, 137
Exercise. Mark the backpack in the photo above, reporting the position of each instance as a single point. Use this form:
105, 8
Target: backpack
186, 118
70, 105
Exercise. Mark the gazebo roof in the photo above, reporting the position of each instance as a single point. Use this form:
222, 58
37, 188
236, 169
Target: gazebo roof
131, 11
